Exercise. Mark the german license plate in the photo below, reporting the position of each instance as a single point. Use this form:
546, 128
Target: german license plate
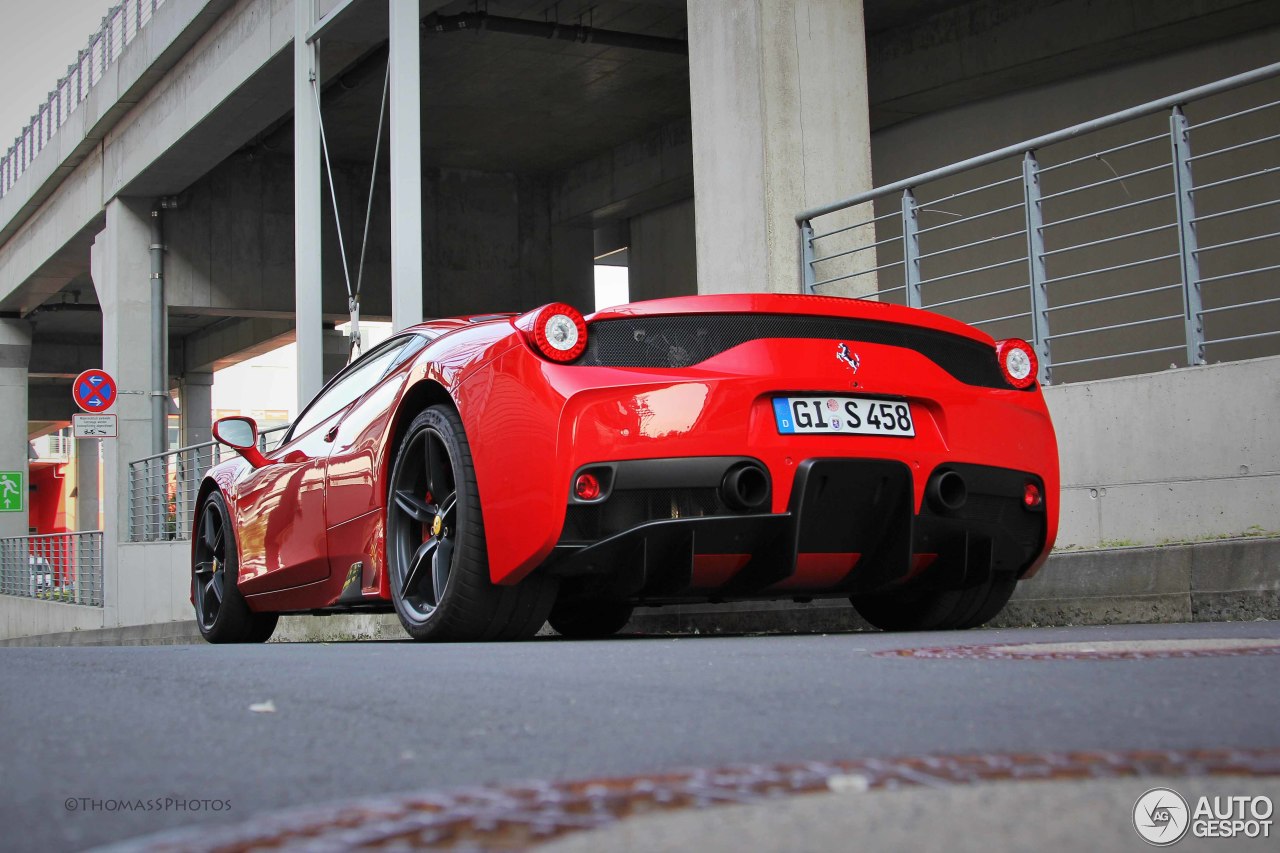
847, 415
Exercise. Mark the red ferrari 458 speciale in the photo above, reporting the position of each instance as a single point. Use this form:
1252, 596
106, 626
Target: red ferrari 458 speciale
484, 475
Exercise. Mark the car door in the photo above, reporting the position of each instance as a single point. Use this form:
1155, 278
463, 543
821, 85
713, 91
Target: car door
282, 526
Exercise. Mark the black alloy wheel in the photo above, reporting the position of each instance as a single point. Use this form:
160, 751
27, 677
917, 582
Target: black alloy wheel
424, 518
437, 560
222, 614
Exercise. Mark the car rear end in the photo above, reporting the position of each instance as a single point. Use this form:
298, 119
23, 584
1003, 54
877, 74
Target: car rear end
760, 446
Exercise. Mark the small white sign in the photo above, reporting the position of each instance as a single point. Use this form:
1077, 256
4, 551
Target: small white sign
94, 426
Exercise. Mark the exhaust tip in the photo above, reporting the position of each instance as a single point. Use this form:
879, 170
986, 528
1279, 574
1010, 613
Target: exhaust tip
745, 487
946, 491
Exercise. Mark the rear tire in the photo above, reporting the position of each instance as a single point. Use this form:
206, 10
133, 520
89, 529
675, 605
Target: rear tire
222, 614
589, 620
914, 609
437, 561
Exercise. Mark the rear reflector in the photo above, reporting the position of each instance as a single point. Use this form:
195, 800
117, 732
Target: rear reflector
587, 487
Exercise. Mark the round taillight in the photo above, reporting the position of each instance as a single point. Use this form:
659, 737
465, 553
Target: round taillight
1018, 362
560, 332
1031, 496
587, 487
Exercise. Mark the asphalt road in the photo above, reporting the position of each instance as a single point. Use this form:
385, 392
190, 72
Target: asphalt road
100, 724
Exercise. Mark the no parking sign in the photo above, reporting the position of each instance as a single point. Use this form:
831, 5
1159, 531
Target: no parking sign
94, 391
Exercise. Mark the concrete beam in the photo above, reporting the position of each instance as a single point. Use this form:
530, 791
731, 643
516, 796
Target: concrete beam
231, 342
64, 359
990, 47
643, 174
50, 402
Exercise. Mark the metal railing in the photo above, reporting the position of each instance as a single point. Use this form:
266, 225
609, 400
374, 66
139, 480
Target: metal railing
1145, 239
63, 567
120, 25
163, 487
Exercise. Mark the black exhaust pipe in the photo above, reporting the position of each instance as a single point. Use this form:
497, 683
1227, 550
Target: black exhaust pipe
946, 491
745, 487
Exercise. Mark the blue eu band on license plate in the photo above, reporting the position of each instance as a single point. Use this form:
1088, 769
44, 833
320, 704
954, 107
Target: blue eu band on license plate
842, 415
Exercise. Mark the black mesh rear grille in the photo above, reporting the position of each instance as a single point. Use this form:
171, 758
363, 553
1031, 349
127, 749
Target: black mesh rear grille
682, 341
625, 509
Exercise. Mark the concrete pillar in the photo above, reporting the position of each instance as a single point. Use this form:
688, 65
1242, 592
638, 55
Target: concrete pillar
195, 403
15, 352
778, 90
87, 483
405, 152
307, 238
120, 265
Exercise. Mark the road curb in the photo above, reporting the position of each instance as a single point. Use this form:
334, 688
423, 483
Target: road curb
1222, 580
157, 634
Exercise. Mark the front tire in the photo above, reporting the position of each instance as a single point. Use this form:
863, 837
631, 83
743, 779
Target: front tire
437, 562
222, 614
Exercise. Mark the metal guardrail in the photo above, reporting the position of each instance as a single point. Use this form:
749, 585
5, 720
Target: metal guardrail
63, 567
163, 487
120, 25
1145, 239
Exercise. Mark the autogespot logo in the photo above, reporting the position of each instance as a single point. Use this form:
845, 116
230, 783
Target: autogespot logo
1161, 817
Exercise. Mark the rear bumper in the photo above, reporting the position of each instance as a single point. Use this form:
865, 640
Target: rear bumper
850, 527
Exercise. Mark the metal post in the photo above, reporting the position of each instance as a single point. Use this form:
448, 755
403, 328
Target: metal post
1036, 265
405, 150
306, 195
807, 277
911, 249
1188, 245
158, 395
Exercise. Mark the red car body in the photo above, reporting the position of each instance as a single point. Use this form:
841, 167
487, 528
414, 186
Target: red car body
670, 398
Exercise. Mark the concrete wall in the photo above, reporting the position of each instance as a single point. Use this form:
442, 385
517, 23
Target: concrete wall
1173, 456
28, 617
663, 257
148, 584
952, 135
490, 245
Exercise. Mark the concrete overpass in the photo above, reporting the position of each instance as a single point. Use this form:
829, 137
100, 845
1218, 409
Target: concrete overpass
520, 144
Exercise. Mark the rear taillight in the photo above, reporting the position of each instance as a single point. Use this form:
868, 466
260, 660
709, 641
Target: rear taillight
1017, 362
559, 332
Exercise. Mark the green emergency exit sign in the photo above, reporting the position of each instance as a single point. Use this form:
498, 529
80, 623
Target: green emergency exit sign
12, 493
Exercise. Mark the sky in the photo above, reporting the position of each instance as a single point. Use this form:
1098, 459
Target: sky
34, 54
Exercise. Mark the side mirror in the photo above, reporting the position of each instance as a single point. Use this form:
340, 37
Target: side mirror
240, 434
